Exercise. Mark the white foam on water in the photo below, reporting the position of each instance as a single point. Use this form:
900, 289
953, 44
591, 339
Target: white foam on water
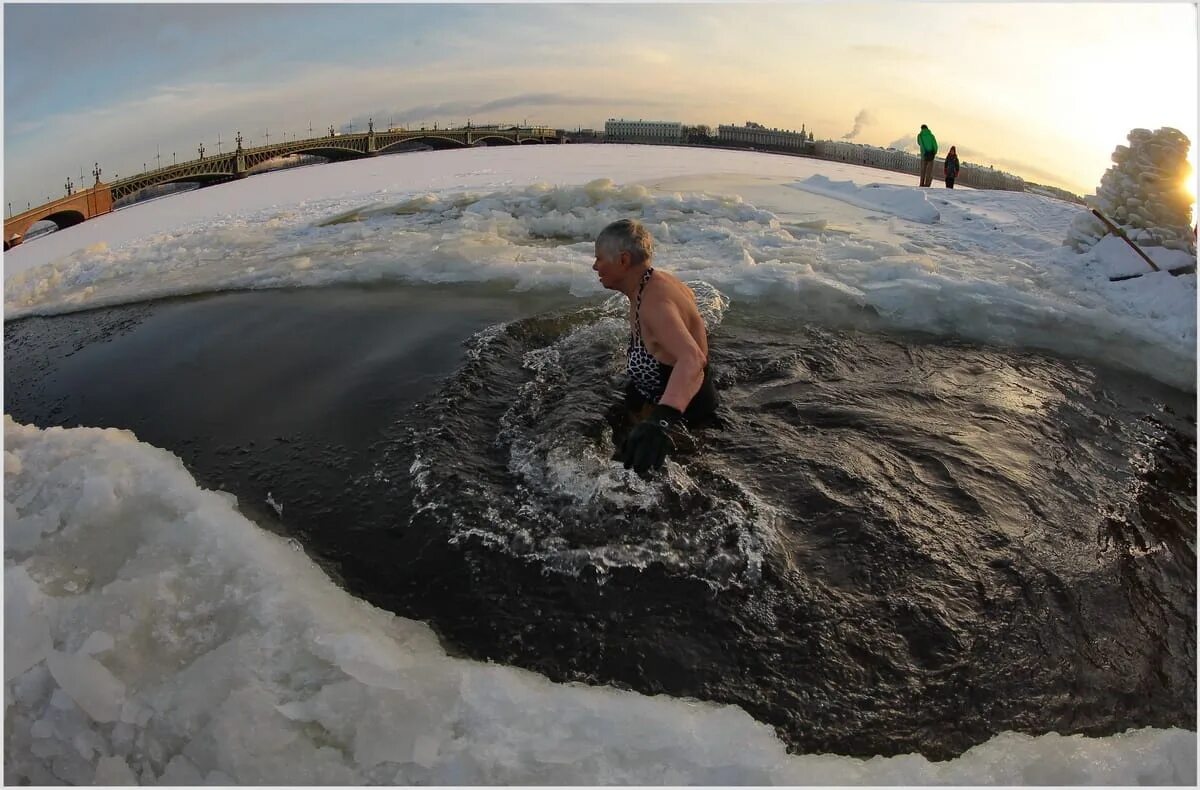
564, 478
822, 238
153, 635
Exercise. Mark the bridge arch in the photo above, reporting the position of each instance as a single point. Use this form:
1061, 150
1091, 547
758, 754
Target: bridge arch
127, 195
64, 218
493, 139
64, 212
334, 153
281, 162
439, 142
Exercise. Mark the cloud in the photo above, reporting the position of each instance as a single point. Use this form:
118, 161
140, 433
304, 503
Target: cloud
459, 110
862, 119
532, 107
887, 52
905, 143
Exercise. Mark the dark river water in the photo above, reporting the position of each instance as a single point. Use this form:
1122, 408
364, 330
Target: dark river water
890, 544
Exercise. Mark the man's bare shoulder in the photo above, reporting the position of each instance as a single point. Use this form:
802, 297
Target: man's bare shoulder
670, 288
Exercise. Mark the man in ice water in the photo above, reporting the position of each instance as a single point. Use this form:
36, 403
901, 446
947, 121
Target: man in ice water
668, 344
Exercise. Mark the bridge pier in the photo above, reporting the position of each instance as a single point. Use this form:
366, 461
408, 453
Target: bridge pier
239, 161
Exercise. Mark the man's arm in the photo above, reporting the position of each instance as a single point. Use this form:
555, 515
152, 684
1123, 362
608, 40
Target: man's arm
666, 327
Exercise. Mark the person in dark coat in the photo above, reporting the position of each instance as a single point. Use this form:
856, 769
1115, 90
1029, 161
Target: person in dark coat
952, 168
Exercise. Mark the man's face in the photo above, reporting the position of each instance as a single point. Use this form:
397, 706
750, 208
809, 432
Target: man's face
610, 267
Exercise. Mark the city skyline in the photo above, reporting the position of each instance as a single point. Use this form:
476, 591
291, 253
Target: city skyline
1044, 92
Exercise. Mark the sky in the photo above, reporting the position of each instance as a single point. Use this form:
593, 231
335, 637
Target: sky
1045, 91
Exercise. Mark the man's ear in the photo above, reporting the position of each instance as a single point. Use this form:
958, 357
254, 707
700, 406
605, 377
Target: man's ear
626, 258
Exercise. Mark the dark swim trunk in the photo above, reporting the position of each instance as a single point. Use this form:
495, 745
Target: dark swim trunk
700, 411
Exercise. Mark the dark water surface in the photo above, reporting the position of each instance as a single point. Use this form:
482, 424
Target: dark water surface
894, 544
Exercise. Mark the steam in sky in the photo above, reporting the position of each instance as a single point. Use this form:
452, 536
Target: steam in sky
862, 119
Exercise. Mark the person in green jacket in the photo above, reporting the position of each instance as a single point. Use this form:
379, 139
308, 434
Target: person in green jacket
928, 144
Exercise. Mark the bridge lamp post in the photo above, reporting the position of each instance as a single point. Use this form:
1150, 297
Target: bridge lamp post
201, 150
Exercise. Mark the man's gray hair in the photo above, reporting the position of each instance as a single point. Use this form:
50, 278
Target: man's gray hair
627, 235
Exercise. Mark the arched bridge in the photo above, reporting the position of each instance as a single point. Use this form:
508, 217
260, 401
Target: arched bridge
64, 212
242, 162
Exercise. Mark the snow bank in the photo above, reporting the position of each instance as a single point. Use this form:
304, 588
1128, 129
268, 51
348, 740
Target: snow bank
903, 202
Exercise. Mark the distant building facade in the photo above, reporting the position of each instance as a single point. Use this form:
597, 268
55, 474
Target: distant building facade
582, 135
759, 136
622, 131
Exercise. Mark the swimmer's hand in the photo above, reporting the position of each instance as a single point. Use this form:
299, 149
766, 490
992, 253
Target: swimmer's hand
648, 443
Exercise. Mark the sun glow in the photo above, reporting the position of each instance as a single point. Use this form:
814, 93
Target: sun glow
1189, 180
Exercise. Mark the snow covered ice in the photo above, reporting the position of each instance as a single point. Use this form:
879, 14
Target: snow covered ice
155, 635
987, 266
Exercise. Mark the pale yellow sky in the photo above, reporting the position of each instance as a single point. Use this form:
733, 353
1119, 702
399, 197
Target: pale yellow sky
1046, 91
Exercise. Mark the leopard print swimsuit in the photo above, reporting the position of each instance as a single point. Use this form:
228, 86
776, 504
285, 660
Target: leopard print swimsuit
646, 373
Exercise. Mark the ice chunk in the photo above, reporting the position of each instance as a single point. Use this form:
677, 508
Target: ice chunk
73, 769
26, 631
33, 687
425, 751
89, 684
180, 771
114, 771
97, 642
42, 728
